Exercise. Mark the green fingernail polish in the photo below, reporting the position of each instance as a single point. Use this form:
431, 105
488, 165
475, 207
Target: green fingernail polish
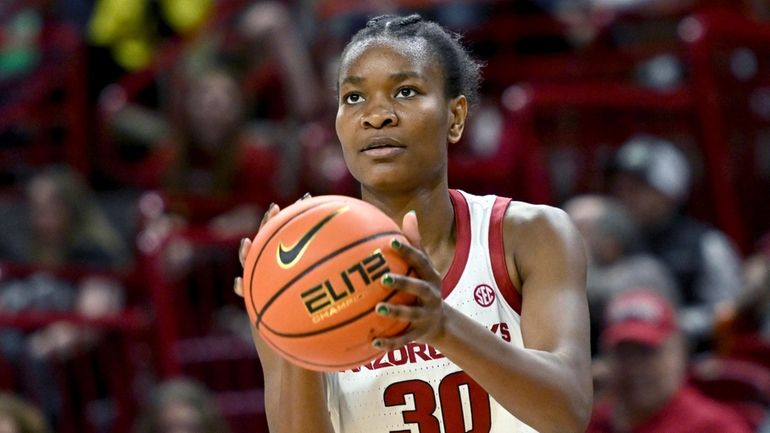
387, 280
383, 310
395, 243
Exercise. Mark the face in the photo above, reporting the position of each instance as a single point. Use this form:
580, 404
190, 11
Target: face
393, 118
645, 377
180, 418
49, 216
648, 206
214, 108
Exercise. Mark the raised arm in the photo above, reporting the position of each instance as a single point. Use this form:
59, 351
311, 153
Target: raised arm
295, 398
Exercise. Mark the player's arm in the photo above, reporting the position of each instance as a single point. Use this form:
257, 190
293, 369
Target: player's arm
546, 251
548, 384
295, 398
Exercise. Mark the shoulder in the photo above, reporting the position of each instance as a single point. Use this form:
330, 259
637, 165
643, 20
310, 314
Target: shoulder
535, 235
529, 225
522, 215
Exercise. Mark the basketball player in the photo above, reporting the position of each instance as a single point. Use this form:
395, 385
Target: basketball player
499, 339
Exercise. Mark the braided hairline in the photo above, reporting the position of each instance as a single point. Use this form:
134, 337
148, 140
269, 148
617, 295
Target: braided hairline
461, 72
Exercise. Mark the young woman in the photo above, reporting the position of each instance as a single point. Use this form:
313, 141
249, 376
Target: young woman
499, 339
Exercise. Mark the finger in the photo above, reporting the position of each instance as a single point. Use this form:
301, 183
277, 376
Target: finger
272, 211
305, 196
238, 286
406, 313
243, 250
417, 259
392, 343
423, 290
411, 229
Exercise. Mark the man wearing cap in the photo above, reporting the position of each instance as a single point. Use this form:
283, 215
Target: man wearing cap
651, 177
647, 362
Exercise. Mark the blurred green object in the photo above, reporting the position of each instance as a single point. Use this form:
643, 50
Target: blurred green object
20, 48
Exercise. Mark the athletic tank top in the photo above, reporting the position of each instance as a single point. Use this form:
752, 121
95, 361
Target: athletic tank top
415, 388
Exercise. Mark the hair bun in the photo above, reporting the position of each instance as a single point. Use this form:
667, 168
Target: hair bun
411, 19
379, 20
393, 21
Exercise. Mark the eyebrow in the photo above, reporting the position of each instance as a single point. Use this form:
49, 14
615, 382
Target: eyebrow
397, 77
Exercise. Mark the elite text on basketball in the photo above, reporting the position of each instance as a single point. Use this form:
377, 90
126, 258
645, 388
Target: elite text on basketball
332, 295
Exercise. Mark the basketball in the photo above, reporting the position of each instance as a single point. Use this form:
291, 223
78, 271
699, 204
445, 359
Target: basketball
312, 279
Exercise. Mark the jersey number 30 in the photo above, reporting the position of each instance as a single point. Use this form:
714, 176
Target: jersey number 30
450, 399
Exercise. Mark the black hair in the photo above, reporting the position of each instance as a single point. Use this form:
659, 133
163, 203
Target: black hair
462, 73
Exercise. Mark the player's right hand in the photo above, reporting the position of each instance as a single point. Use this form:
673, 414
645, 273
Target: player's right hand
246, 243
243, 250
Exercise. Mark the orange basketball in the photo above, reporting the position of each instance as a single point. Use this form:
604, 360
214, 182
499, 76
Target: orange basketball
312, 279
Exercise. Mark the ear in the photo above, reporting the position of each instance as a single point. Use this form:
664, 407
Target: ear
458, 111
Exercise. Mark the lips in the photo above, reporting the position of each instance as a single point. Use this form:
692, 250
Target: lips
382, 143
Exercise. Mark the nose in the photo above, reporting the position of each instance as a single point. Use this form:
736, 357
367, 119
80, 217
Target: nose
379, 117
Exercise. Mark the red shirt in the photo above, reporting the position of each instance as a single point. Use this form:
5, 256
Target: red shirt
688, 412
253, 181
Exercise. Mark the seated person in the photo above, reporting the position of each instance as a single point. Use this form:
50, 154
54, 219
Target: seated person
646, 360
63, 225
651, 178
617, 262
180, 405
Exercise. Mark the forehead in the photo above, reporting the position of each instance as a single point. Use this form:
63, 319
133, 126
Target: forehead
388, 54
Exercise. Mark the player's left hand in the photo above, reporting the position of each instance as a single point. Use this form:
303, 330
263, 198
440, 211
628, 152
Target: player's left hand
427, 315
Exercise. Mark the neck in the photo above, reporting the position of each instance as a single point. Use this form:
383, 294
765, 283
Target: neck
435, 216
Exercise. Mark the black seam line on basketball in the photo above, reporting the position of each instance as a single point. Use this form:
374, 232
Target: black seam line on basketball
259, 255
288, 258
329, 328
338, 325
285, 354
319, 262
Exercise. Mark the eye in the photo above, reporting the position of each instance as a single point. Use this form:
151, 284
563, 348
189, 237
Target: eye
352, 98
406, 92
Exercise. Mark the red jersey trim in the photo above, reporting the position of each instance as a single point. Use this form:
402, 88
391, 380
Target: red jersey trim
463, 243
497, 255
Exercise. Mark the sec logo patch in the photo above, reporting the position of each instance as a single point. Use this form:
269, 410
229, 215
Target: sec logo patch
484, 295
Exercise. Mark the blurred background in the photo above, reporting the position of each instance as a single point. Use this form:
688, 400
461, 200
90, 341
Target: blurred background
141, 139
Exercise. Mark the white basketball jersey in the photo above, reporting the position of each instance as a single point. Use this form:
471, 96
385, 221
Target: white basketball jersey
415, 388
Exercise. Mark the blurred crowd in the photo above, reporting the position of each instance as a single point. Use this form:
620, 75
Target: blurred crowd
141, 139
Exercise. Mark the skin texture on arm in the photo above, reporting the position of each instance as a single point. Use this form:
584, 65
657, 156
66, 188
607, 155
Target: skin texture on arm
548, 384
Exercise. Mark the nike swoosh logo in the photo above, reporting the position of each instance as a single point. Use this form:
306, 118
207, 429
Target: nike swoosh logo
289, 256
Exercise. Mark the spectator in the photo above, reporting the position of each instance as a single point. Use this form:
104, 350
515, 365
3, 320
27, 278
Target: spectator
181, 406
65, 226
651, 177
646, 362
217, 165
617, 262
19, 416
211, 157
